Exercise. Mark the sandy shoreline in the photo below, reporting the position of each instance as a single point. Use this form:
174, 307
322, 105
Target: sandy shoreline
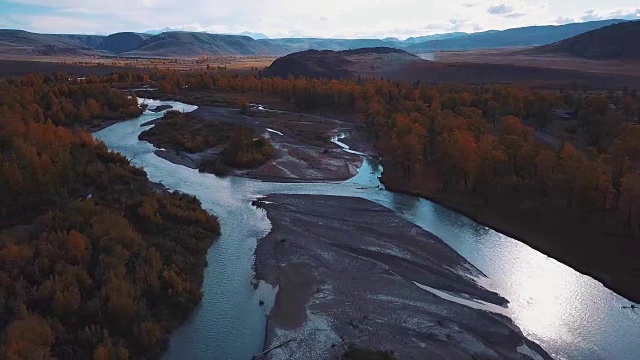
346, 269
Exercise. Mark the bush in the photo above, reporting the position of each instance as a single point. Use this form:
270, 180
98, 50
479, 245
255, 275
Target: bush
244, 107
215, 167
245, 151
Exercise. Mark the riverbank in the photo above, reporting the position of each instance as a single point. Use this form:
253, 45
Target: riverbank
346, 270
579, 245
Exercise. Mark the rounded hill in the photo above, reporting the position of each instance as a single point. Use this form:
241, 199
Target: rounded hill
122, 42
342, 64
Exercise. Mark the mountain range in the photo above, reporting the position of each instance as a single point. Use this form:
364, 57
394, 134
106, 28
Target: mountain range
254, 35
172, 44
613, 42
525, 36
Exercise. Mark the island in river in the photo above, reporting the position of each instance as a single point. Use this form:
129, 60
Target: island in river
299, 144
351, 272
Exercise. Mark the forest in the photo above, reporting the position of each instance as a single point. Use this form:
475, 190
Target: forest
93, 262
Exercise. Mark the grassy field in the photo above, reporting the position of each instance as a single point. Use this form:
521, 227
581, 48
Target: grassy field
49, 63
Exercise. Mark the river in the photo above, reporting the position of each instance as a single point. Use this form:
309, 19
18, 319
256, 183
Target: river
572, 316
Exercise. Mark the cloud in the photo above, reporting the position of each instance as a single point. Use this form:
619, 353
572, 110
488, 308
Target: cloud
323, 18
457, 24
561, 20
501, 9
54, 24
505, 10
622, 13
508, 11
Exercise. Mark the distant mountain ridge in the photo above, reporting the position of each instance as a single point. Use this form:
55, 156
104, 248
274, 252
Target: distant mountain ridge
175, 44
130, 44
291, 45
190, 44
614, 42
254, 35
525, 36
421, 39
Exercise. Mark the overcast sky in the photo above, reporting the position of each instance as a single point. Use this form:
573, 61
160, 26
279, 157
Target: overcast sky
321, 18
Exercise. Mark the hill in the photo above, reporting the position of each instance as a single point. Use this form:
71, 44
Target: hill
122, 42
19, 42
190, 44
168, 44
343, 64
614, 42
525, 36
91, 41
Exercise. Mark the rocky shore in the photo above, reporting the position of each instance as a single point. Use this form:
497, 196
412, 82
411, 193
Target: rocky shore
350, 272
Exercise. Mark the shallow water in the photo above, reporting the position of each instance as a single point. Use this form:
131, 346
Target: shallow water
570, 315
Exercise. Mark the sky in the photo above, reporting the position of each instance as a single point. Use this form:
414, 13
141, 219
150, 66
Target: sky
296, 18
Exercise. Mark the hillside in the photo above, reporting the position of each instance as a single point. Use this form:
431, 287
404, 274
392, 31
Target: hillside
91, 41
421, 39
343, 64
190, 44
614, 42
525, 36
19, 42
169, 44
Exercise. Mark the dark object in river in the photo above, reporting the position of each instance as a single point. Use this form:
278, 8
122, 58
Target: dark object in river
161, 108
